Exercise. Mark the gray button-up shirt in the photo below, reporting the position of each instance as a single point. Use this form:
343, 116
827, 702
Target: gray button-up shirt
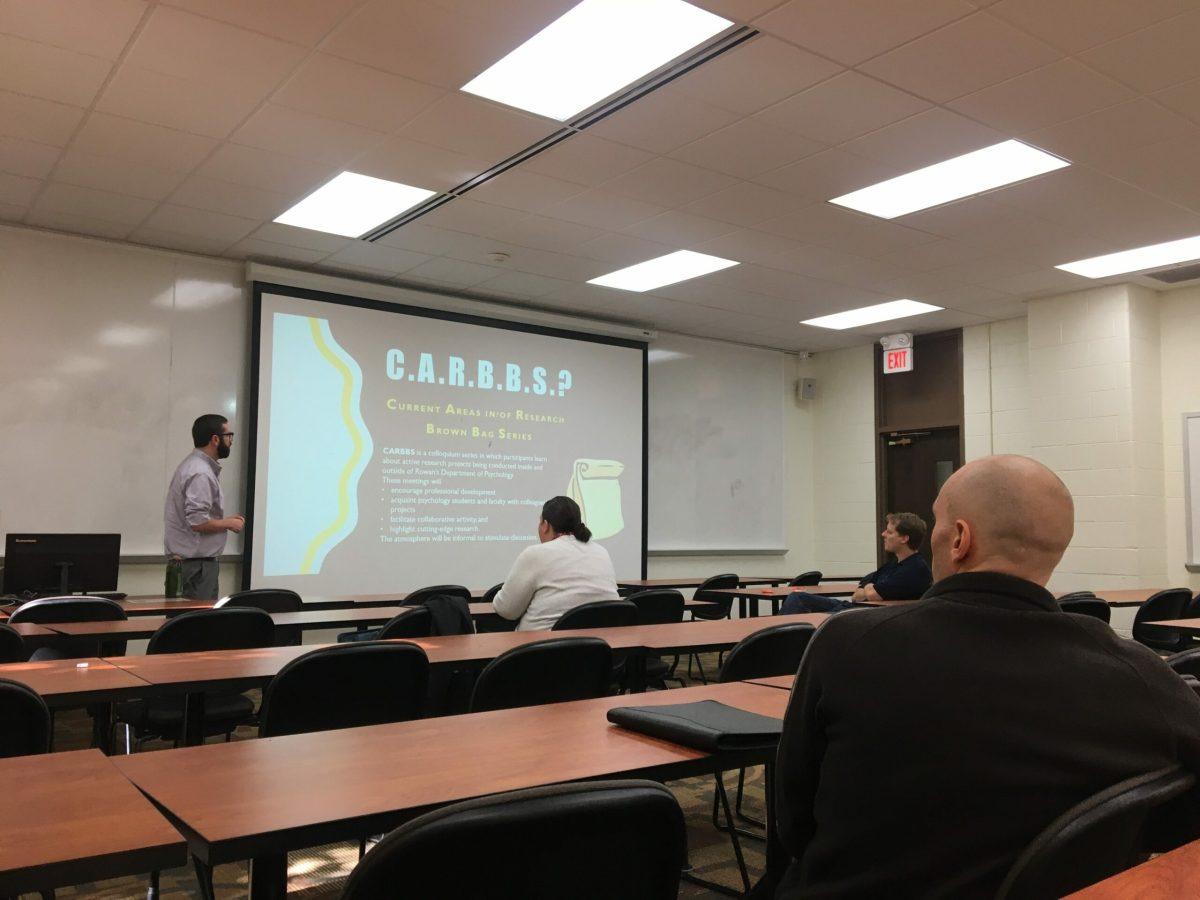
194, 498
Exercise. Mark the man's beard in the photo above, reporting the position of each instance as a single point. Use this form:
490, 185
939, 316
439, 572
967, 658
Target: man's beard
223, 450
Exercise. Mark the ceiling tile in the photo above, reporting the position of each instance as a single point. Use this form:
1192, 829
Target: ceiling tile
748, 245
830, 173
747, 148
1113, 135
878, 238
1152, 58
95, 27
1183, 98
963, 57
1168, 169
141, 143
194, 106
339, 89
304, 238
548, 234
745, 204
986, 269
935, 254
522, 284
78, 224
743, 11
1075, 25
310, 137
17, 190
421, 165
820, 223
264, 169
857, 32
1043, 281
586, 159
108, 173
253, 248
174, 240
521, 189
468, 125
623, 249
660, 122
603, 209
1055, 93
197, 49
821, 262
753, 75
924, 139
473, 217
33, 160
453, 271
34, 119
669, 183
422, 238
679, 229
202, 192
49, 72
81, 201
299, 21
201, 223
377, 257
843, 108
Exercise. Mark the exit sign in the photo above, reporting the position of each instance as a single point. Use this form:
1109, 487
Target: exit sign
898, 360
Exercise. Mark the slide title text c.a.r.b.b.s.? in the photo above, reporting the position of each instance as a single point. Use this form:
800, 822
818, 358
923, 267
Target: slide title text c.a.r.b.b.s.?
485, 376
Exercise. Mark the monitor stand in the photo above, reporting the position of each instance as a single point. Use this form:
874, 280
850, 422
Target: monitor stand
64, 584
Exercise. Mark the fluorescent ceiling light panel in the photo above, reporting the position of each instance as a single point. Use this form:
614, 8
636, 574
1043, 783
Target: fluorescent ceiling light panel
1137, 259
971, 173
353, 204
654, 273
592, 51
869, 315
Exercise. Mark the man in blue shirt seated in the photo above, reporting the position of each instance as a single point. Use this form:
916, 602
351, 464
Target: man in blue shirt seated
907, 578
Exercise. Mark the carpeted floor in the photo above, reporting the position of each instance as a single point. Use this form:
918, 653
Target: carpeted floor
320, 871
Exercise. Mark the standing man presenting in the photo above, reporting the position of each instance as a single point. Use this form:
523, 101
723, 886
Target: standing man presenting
195, 517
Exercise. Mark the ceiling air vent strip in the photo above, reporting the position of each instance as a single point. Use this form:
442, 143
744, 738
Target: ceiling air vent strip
1176, 274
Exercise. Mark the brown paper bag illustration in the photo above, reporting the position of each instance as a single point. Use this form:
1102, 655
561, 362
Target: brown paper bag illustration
595, 487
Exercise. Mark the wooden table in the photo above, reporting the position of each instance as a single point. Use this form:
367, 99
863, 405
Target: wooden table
76, 682
363, 781
1171, 876
777, 595
683, 584
1127, 596
783, 682
706, 636
150, 605
1188, 626
73, 817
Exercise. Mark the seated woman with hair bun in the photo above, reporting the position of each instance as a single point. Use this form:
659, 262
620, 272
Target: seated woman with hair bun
566, 569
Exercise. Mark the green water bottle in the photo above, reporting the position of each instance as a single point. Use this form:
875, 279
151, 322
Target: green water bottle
174, 577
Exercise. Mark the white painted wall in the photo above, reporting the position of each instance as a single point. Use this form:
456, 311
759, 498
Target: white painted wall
996, 388
1179, 330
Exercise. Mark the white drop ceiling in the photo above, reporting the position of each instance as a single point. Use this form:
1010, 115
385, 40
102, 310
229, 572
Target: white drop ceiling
191, 124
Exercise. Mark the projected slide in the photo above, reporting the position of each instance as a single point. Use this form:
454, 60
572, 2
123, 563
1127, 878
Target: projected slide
396, 450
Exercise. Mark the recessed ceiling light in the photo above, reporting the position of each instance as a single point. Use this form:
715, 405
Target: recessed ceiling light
653, 273
353, 204
869, 315
971, 173
1137, 259
591, 51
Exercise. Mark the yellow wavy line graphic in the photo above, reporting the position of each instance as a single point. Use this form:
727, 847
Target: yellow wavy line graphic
348, 469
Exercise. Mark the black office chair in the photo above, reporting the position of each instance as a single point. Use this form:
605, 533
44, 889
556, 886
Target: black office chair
345, 686
595, 841
1160, 607
270, 600
659, 606
12, 648
1094, 839
1087, 606
720, 607
49, 610
1077, 595
490, 594
236, 628
764, 654
411, 622
598, 614
810, 578
1192, 611
550, 671
1186, 662
416, 598
27, 726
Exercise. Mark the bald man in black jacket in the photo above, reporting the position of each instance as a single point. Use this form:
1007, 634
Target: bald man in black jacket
925, 746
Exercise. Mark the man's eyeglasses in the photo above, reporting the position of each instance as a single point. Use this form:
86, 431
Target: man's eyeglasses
228, 434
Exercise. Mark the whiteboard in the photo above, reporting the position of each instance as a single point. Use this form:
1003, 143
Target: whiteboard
716, 446
1191, 487
107, 354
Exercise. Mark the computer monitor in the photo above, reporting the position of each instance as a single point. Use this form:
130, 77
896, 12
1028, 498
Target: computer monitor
61, 563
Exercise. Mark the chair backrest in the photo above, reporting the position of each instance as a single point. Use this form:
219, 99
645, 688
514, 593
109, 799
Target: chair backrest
595, 841
772, 651
48, 610
721, 603
1087, 606
598, 614
237, 628
550, 671
25, 720
1076, 595
346, 686
490, 594
806, 579
419, 596
1192, 610
12, 648
1160, 607
658, 606
412, 622
1093, 840
272, 600
1186, 662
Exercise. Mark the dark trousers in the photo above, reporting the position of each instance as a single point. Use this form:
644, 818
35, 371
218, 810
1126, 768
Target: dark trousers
801, 602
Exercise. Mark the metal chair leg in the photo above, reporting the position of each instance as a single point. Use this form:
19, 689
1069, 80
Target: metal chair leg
688, 875
204, 878
721, 827
699, 668
152, 890
737, 806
